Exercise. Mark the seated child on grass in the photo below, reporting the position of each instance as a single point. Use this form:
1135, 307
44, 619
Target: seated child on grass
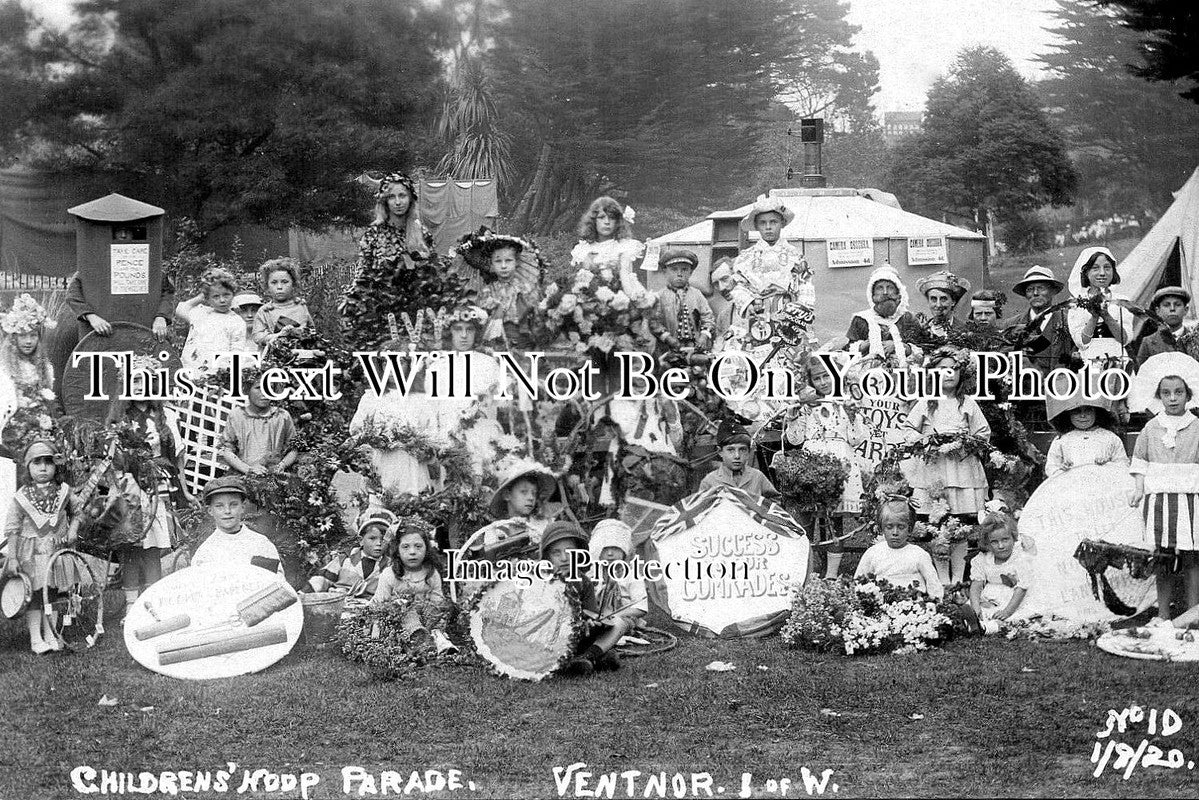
612, 541
734, 469
257, 438
517, 505
358, 573
596, 649
1001, 575
232, 542
414, 579
895, 559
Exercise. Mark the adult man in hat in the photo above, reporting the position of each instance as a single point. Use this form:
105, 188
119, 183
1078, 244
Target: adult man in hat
1049, 345
772, 264
1170, 304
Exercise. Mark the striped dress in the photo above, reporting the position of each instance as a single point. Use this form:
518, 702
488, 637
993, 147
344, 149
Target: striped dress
1171, 483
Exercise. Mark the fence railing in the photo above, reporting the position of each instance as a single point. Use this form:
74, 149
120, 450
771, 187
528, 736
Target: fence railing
29, 282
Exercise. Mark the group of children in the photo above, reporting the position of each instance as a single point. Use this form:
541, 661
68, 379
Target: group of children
397, 560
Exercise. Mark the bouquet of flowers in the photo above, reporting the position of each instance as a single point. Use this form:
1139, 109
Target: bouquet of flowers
941, 531
865, 616
376, 638
814, 480
594, 312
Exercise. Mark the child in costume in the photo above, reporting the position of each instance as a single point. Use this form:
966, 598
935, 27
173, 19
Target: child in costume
233, 542
257, 439
505, 273
1002, 575
597, 648
683, 319
358, 573
414, 579
518, 506
607, 248
1084, 434
624, 598
38, 526
734, 451
1165, 464
215, 330
832, 427
895, 559
283, 311
27, 373
986, 308
959, 475
772, 264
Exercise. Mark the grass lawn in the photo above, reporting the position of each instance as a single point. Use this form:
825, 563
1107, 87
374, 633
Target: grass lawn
1006, 270
981, 717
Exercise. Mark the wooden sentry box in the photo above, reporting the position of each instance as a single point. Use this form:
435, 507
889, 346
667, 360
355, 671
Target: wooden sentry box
118, 252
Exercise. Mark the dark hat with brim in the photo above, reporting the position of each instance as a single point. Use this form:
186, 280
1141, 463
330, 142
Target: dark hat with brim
559, 530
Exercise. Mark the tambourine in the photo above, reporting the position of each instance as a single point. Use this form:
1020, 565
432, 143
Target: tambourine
15, 595
526, 631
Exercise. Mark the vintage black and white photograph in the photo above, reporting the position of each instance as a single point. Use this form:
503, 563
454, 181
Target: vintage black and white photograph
622, 399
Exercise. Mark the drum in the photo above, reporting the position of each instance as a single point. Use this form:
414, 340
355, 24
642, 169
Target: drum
15, 595
526, 632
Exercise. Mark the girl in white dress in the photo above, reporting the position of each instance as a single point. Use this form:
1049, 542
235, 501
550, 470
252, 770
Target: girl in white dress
215, 330
607, 248
1084, 434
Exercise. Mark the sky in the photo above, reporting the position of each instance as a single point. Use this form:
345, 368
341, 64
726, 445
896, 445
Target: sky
915, 40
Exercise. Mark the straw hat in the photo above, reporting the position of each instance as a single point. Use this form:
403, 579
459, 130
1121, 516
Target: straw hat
539, 473
1037, 274
946, 281
765, 205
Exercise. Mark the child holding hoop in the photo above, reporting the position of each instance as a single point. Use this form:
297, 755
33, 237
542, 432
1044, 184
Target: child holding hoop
959, 475
38, 526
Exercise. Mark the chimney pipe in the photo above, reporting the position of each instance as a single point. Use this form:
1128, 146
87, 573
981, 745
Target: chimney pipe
811, 135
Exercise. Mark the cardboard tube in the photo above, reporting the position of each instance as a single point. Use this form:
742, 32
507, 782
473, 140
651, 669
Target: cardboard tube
233, 642
169, 625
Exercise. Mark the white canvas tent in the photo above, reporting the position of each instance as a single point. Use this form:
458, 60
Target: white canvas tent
1175, 238
837, 214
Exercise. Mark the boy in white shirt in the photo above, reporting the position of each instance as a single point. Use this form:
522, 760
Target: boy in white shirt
232, 542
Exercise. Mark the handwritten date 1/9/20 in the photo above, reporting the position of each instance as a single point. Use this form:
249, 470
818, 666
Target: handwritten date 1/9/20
1144, 755
1129, 758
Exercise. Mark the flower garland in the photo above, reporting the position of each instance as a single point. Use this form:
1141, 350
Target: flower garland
375, 637
453, 458
863, 617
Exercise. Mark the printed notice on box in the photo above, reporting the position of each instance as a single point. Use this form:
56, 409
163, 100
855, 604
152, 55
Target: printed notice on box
927, 250
130, 269
850, 252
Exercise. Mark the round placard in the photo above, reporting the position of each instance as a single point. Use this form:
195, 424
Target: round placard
214, 621
525, 631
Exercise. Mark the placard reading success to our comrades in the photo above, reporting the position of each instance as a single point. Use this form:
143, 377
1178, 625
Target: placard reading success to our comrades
130, 269
927, 250
850, 252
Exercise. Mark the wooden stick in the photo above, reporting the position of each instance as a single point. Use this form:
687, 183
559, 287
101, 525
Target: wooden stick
169, 625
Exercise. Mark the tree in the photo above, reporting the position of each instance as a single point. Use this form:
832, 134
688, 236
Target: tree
986, 150
1170, 52
228, 110
663, 101
1133, 142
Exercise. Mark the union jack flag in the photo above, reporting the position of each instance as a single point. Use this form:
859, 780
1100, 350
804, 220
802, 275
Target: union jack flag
689, 511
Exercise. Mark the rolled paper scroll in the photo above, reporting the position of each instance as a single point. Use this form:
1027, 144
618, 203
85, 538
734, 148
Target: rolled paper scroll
168, 625
262, 604
233, 640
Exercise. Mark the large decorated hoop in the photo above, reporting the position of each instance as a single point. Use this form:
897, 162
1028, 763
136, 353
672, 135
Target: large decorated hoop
78, 611
526, 631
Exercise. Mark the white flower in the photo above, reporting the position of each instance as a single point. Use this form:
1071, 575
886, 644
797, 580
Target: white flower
48, 394
507, 442
606, 275
568, 304
584, 277
551, 290
619, 301
44, 422
645, 300
604, 294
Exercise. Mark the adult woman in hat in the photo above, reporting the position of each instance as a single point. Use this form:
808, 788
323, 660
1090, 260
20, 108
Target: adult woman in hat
1044, 336
943, 291
1102, 324
880, 330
